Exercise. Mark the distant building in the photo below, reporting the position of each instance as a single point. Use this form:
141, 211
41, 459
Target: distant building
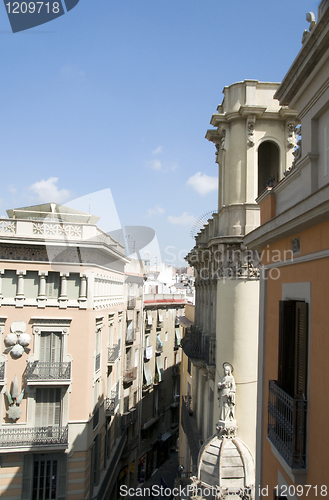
292, 436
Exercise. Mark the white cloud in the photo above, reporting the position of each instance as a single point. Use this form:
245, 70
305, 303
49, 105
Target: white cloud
12, 189
47, 191
158, 210
203, 183
157, 151
155, 165
183, 220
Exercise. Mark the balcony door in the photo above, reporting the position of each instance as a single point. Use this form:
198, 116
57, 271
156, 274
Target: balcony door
51, 347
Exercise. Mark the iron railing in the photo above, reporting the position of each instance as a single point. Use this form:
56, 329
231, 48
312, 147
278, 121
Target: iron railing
2, 371
197, 345
130, 375
14, 437
190, 427
287, 425
113, 353
111, 403
44, 370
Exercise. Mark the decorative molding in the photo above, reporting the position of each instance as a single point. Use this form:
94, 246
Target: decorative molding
251, 120
55, 229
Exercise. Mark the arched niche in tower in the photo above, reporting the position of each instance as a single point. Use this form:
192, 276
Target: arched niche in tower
268, 165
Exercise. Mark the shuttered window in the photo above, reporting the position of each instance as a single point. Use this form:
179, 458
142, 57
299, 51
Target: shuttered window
51, 347
293, 341
48, 407
52, 285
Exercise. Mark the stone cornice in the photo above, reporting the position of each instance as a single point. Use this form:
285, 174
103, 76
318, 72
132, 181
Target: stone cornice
307, 59
312, 210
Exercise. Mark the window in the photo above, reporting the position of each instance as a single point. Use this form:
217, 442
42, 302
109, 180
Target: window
287, 403
189, 367
166, 337
166, 363
268, 165
95, 460
128, 358
51, 347
48, 407
292, 369
44, 477
98, 344
52, 285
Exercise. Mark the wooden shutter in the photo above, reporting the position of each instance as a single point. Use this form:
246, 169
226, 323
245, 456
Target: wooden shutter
27, 477
48, 407
286, 368
62, 476
301, 351
56, 347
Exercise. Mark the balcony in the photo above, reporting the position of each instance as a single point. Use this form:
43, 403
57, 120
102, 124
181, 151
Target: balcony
199, 346
287, 425
2, 372
111, 403
128, 417
130, 335
49, 372
131, 303
15, 437
130, 375
113, 353
148, 352
190, 427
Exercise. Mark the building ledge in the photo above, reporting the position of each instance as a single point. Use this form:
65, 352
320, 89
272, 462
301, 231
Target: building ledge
298, 476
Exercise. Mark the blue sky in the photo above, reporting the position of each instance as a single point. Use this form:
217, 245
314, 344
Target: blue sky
119, 95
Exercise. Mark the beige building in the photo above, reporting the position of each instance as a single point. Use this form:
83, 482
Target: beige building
161, 360
64, 340
254, 138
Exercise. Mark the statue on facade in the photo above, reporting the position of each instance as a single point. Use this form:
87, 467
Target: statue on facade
226, 394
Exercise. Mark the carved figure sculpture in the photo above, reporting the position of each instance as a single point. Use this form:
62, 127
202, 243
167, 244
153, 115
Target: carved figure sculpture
226, 394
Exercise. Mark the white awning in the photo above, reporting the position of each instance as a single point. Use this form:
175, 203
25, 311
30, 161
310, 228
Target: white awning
160, 368
160, 316
148, 373
178, 338
149, 317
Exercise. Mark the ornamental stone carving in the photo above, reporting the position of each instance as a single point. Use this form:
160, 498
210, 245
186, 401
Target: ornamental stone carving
226, 395
17, 341
291, 135
251, 120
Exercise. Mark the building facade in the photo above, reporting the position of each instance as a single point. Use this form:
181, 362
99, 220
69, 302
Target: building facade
62, 323
254, 138
292, 439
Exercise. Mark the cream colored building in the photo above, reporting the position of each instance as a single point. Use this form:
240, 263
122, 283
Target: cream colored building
254, 138
63, 337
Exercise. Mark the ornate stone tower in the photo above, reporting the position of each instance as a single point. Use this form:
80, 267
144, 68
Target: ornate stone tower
255, 141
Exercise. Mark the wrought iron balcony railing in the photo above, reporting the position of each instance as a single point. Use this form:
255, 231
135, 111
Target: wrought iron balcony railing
15, 437
190, 427
113, 353
197, 345
130, 335
287, 425
48, 371
111, 403
130, 375
2, 372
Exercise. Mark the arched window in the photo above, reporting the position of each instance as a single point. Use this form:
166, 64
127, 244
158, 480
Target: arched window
268, 165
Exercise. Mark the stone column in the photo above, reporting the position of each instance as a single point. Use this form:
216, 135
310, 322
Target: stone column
83, 292
63, 299
42, 299
19, 299
1, 273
